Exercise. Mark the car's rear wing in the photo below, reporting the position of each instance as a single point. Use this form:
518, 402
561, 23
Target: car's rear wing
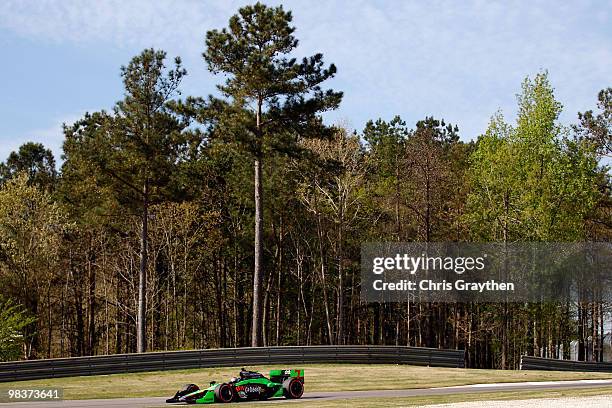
280, 375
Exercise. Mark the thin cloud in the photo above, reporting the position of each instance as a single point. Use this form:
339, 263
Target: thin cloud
117, 23
457, 60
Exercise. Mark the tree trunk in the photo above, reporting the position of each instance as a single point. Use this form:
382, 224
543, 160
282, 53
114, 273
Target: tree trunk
398, 225
504, 339
256, 332
141, 324
340, 334
323, 278
602, 337
279, 287
91, 276
49, 321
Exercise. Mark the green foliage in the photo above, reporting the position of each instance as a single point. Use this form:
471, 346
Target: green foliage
491, 182
596, 129
530, 182
13, 320
142, 142
272, 98
438, 131
32, 227
387, 143
33, 159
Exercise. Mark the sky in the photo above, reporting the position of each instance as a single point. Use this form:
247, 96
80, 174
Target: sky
457, 60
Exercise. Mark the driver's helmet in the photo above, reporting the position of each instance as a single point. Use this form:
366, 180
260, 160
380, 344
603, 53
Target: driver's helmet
234, 379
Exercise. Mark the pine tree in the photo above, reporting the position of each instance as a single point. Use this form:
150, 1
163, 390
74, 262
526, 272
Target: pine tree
136, 151
271, 101
34, 159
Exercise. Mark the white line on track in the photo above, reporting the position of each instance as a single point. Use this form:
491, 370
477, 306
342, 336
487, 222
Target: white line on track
531, 383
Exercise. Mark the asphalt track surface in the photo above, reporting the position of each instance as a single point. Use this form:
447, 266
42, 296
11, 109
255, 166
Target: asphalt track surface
328, 396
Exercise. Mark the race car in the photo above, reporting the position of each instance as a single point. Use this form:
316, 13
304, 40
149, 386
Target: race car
249, 385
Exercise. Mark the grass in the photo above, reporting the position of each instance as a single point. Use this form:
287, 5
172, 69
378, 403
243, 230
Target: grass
319, 377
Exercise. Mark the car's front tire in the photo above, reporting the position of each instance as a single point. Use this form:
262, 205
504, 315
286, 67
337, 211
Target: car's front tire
293, 388
224, 393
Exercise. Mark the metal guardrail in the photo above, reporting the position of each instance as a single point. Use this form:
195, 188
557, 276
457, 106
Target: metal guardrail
233, 357
549, 364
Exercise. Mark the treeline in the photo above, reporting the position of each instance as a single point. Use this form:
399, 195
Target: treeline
237, 220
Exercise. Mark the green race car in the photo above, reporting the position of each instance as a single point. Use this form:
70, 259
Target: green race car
250, 385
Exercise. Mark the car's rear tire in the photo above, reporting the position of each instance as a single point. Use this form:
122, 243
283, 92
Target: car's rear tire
293, 388
224, 393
